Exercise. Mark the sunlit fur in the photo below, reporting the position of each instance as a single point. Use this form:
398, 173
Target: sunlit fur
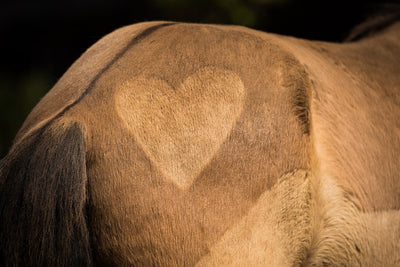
172, 144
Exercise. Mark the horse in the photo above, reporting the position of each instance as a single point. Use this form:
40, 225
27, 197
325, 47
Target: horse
181, 144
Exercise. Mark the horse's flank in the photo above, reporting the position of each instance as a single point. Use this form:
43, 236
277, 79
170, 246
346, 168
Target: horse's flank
174, 144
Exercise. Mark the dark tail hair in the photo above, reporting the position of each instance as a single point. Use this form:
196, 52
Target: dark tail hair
43, 199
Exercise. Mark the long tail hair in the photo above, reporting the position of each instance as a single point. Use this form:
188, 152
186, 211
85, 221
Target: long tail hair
43, 199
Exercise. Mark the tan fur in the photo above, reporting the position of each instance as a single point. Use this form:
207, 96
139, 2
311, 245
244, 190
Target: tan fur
212, 145
268, 226
356, 140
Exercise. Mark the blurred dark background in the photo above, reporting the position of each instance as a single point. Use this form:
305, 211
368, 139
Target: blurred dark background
41, 39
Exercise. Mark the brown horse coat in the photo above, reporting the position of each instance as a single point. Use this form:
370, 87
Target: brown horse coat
170, 144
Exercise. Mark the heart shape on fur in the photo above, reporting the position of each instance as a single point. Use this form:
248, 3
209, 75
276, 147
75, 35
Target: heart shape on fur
181, 129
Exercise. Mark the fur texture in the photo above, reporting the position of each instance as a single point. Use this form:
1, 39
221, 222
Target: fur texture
170, 144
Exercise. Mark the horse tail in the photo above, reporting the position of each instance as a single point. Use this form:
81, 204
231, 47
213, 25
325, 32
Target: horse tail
43, 199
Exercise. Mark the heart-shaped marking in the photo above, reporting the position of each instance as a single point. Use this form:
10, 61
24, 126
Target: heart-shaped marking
181, 129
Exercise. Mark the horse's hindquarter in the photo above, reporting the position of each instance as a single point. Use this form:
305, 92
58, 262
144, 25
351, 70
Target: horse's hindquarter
189, 128
219, 145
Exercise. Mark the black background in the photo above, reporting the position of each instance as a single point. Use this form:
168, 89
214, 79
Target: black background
41, 39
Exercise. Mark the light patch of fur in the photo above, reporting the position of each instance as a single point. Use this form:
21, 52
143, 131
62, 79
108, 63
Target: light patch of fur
170, 123
345, 236
275, 232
